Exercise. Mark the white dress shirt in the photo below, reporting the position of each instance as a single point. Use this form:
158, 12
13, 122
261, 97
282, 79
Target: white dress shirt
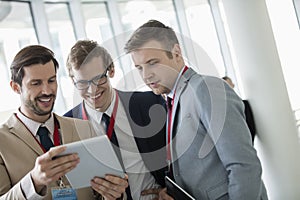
139, 177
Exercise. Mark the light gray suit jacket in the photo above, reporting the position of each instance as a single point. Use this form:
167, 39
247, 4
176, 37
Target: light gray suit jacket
19, 150
211, 148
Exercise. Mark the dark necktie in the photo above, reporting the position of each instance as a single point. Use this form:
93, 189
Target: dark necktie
106, 119
44, 138
169, 104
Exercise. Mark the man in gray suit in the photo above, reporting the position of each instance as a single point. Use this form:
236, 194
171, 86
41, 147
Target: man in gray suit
210, 154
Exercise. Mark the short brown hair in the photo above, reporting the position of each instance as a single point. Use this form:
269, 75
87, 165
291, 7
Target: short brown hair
83, 51
226, 78
30, 55
152, 30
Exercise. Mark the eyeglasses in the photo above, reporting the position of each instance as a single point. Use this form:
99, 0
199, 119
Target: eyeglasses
97, 80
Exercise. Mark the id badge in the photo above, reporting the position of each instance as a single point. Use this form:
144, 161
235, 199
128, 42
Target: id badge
66, 193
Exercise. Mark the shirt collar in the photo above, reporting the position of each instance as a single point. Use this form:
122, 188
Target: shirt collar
33, 126
96, 114
110, 109
171, 94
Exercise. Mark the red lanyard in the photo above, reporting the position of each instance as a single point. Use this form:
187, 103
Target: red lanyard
56, 138
170, 123
112, 119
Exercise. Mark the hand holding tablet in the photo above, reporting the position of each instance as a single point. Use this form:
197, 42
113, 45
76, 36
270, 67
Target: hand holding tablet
97, 158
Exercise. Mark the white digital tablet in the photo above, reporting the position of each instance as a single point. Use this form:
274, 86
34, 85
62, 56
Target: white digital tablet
97, 158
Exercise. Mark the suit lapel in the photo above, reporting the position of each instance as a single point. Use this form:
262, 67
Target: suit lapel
17, 128
182, 84
65, 127
80, 114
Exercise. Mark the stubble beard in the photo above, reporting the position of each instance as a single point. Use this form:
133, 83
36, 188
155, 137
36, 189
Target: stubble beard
33, 106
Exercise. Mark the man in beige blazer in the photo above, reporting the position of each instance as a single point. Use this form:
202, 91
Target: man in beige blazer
27, 170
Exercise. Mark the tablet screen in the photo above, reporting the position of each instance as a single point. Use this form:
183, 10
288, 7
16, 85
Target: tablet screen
97, 158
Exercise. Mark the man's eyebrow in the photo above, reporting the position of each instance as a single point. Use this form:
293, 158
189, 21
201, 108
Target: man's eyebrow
37, 79
54, 76
148, 61
152, 59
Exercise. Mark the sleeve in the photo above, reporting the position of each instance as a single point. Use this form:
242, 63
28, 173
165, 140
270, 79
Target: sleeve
24, 189
226, 125
7, 192
29, 190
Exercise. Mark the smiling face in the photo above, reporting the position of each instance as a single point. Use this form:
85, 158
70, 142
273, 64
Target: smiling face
97, 97
38, 91
158, 70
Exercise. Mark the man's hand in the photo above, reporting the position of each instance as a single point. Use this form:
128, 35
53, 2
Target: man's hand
47, 169
152, 191
111, 187
164, 196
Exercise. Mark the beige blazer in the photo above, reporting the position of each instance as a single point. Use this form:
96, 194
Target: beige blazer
19, 150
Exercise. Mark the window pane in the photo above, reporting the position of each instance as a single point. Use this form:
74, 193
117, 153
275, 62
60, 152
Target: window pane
15, 34
98, 27
61, 31
62, 38
203, 31
97, 22
136, 13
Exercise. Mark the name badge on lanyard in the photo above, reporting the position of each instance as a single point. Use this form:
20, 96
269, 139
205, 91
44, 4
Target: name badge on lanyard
63, 192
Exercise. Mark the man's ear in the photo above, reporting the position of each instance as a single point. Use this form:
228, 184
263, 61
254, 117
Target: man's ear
15, 87
176, 51
111, 72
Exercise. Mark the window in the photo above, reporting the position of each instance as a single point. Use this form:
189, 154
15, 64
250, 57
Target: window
61, 31
15, 34
98, 27
286, 34
97, 22
62, 39
203, 33
134, 14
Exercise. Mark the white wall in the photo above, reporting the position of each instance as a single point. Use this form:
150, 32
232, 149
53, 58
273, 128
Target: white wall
264, 86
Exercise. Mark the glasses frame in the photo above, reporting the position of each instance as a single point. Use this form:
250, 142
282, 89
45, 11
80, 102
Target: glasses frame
94, 80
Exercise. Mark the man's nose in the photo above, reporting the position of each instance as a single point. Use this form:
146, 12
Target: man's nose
47, 89
147, 74
92, 87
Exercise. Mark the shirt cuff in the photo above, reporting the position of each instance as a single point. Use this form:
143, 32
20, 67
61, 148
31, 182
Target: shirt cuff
29, 190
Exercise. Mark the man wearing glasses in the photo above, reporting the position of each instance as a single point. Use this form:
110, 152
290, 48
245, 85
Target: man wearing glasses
136, 132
